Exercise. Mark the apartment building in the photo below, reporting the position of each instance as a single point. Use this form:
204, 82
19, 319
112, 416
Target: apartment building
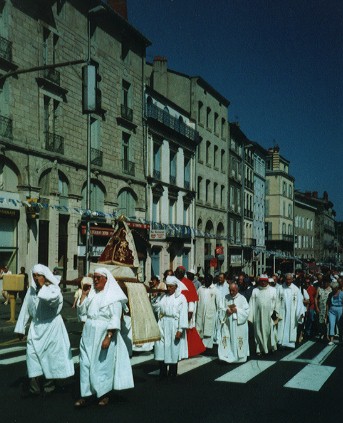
44, 133
171, 146
279, 211
208, 109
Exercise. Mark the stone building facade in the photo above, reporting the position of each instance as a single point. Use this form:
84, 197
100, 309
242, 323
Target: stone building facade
43, 137
208, 109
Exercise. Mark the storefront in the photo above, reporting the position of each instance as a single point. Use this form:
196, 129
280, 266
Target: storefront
9, 238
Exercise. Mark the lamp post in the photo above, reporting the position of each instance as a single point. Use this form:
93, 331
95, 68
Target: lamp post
90, 104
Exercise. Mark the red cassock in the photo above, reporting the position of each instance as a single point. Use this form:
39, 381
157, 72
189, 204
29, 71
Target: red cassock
195, 344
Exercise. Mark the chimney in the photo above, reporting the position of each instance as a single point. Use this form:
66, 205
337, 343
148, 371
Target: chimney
315, 194
119, 6
160, 75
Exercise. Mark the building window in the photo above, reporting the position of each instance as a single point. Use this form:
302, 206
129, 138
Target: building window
222, 131
199, 188
97, 197
215, 156
208, 117
200, 112
208, 152
207, 191
157, 161
172, 211
172, 168
155, 209
215, 189
186, 213
128, 164
187, 174
155, 261
222, 161
127, 203
215, 122
222, 192
284, 189
126, 105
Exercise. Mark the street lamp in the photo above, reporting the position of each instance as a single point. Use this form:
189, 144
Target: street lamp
90, 103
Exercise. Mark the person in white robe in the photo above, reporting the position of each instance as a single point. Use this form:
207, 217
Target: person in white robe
222, 288
234, 338
104, 358
172, 311
290, 312
206, 313
48, 352
262, 315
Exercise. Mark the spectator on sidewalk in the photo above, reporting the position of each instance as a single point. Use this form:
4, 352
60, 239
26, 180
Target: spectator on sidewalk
26, 284
4, 272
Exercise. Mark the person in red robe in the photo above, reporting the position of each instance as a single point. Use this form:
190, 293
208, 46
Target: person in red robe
195, 344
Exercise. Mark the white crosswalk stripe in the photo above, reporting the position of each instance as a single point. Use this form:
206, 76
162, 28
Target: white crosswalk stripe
312, 377
246, 371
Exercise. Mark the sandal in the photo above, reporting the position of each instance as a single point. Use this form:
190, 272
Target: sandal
82, 402
103, 401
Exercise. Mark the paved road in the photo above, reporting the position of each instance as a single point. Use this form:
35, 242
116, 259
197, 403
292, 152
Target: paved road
289, 386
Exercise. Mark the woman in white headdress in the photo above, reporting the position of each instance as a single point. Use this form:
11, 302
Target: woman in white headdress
104, 359
48, 350
172, 311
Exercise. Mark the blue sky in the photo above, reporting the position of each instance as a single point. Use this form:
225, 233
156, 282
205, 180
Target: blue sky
280, 63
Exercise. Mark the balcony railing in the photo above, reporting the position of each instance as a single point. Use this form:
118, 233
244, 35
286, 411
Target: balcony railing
172, 180
126, 112
157, 113
51, 75
6, 127
5, 49
128, 167
157, 174
96, 156
54, 142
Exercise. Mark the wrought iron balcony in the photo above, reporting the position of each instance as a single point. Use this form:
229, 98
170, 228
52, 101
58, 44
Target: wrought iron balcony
157, 174
6, 127
128, 167
51, 75
5, 49
172, 179
96, 157
158, 114
126, 112
54, 142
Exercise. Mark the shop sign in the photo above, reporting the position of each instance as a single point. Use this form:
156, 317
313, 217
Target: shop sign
98, 231
96, 251
9, 213
236, 259
157, 234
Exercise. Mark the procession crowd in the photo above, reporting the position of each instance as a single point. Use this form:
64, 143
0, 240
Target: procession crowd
238, 314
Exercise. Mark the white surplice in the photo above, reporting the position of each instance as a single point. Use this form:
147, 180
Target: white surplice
262, 305
290, 311
48, 350
206, 314
172, 314
234, 338
102, 370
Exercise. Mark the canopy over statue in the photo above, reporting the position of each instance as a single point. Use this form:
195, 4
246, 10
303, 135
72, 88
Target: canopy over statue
120, 258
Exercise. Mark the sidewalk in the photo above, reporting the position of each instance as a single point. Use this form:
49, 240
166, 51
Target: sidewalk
68, 313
